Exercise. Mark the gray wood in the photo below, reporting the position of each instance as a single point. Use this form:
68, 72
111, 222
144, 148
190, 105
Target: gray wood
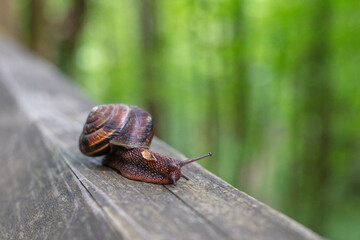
50, 190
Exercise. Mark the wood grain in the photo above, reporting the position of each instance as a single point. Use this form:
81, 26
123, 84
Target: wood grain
50, 190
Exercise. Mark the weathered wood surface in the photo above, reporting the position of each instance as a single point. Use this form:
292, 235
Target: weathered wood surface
49, 190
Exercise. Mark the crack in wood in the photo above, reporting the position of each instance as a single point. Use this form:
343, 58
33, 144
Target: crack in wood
102, 207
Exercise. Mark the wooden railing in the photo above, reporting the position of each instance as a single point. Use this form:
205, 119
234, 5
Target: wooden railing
49, 190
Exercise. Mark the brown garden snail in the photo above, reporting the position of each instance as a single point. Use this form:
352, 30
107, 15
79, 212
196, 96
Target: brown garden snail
123, 134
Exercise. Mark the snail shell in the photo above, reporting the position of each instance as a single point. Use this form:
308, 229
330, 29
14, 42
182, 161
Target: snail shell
118, 125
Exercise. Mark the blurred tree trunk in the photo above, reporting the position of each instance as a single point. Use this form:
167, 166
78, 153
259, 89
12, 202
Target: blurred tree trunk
311, 182
53, 40
151, 85
38, 35
9, 17
241, 81
70, 30
240, 70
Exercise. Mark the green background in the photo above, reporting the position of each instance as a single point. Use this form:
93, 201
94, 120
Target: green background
271, 88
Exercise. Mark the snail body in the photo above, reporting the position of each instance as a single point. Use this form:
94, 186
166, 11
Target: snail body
123, 133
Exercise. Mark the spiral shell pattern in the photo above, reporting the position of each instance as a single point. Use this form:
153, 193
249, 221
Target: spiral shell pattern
115, 124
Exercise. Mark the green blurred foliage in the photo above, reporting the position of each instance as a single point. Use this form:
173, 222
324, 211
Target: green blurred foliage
270, 87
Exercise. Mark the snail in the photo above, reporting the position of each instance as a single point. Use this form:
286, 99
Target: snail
123, 134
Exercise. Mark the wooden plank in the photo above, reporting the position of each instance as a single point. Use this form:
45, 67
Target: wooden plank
38, 197
51, 189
